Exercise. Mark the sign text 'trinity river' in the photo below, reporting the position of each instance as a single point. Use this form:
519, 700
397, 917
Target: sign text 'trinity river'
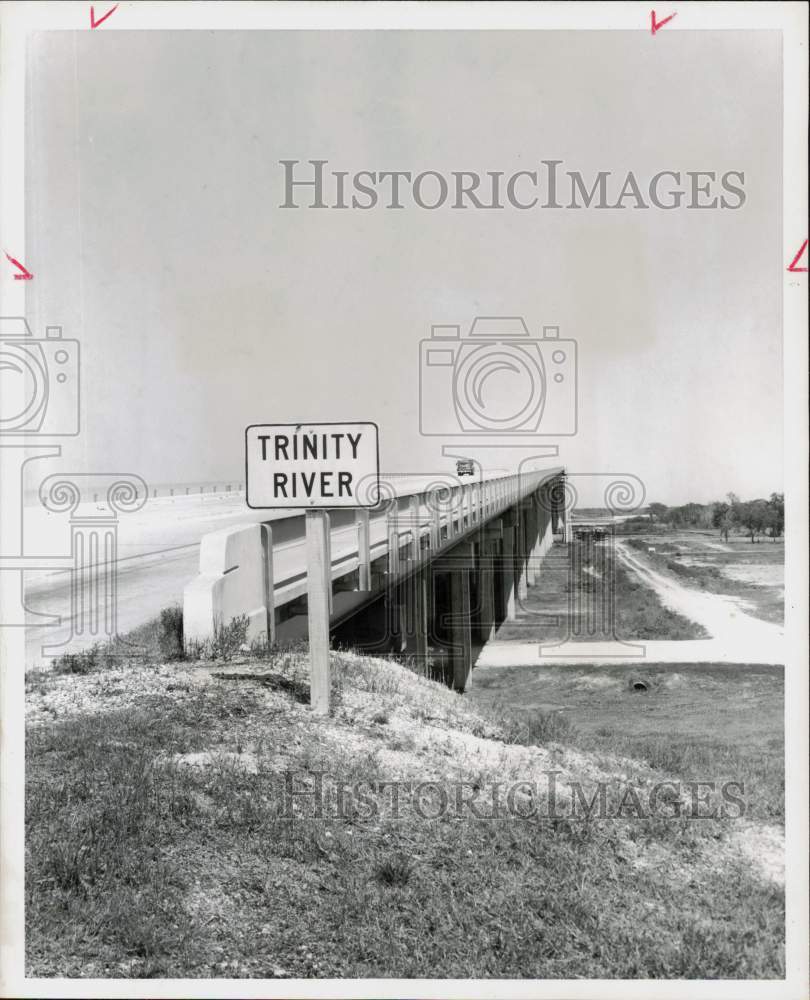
311, 465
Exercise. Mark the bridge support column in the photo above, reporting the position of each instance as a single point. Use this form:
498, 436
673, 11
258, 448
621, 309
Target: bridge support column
421, 592
395, 598
414, 610
542, 526
531, 543
458, 564
461, 629
523, 552
490, 541
508, 564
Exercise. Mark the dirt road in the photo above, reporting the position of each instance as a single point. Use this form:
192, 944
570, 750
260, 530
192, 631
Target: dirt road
721, 616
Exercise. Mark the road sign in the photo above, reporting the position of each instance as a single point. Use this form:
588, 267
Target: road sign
315, 466
311, 465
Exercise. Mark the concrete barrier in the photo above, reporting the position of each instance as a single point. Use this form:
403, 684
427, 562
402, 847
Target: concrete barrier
232, 582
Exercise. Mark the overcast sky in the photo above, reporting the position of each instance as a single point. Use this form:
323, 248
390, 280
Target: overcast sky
156, 237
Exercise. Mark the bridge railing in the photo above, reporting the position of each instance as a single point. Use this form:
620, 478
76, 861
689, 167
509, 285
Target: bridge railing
257, 569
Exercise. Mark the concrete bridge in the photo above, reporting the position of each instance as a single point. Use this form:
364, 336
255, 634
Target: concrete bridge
431, 570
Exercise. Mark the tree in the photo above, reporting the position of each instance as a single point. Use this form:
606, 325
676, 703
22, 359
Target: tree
657, 511
756, 516
722, 518
777, 505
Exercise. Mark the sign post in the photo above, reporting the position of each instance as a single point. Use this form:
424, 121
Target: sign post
315, 467
319, 590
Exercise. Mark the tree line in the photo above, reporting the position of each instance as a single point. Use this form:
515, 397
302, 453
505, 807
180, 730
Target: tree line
754, 517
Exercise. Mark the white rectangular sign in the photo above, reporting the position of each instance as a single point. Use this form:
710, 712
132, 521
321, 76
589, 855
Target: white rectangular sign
311, 465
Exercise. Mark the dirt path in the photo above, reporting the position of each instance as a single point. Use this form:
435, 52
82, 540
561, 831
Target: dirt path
721, 616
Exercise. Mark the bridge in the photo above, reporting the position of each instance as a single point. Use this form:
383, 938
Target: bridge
436, 565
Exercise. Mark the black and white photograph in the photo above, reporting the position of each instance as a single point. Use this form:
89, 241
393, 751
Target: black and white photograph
403, 566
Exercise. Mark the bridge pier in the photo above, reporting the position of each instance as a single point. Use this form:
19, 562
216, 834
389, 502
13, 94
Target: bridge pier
458, 565
532, 565
490, 542
421, 616
461, 630
508, 564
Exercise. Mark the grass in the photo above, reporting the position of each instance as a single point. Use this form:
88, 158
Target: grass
693, 721
157, 844
641, 615
569, 597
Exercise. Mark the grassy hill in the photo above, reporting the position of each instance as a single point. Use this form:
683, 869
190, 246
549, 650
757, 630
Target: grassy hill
173, 831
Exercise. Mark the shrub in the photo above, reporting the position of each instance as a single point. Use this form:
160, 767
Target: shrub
228, 640
85, 661
170, 633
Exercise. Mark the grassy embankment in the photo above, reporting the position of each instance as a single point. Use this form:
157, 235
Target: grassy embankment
158, 842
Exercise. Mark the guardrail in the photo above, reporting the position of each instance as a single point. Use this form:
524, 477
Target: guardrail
257, 569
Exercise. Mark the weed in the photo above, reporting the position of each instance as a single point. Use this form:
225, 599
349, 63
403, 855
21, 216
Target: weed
395, 871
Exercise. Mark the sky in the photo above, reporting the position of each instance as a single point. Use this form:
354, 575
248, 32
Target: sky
157, 238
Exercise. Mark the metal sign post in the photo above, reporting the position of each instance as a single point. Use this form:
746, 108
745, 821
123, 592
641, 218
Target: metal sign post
319, 592
317, 467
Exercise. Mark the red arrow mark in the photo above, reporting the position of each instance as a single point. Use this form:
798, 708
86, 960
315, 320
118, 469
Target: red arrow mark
25, 274
657, 25
95, 23
792, 265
